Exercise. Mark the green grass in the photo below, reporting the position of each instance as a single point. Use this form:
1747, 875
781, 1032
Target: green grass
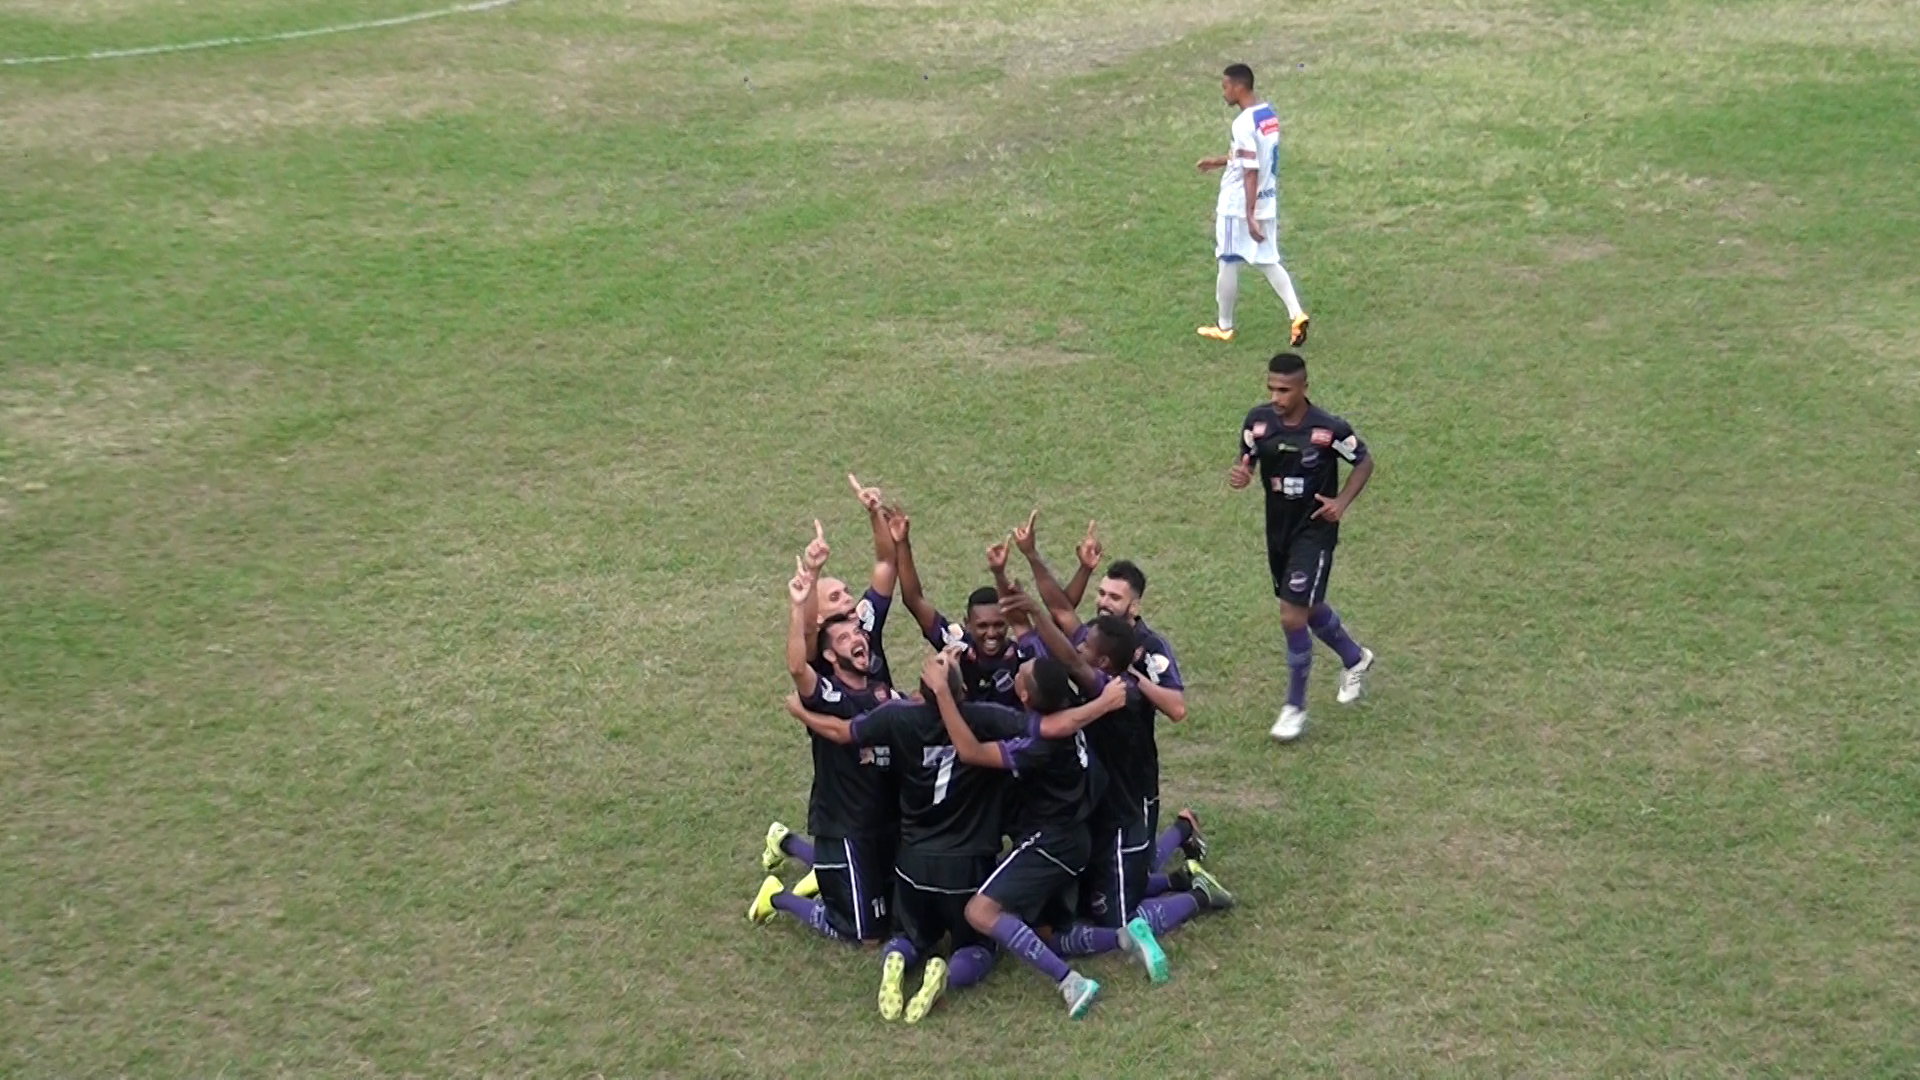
403, 438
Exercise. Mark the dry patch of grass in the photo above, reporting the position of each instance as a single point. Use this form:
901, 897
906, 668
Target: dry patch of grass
78, 415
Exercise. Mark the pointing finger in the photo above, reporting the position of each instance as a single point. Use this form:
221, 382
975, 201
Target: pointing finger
819, 533
1031, 518
855, 481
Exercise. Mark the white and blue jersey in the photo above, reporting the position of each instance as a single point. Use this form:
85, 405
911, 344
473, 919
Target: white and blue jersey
1256, 147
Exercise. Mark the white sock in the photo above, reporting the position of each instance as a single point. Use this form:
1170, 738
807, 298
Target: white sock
1226, 290
1282, 284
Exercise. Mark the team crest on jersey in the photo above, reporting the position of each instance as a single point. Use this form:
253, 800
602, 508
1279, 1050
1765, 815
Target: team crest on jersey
1309, 458
864, 613
1322, 436
1003, 681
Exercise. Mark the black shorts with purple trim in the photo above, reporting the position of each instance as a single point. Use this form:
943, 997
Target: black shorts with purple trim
856, 884
930, 894
1042, 867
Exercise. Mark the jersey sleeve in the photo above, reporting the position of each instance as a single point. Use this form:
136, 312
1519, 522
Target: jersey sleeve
1025, 750
1249, 442
825, 697
1346, 443
945, 632
1160, 667
1246, 145
873, 611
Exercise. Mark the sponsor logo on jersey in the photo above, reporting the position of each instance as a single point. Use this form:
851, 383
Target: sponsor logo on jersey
1270, 126
828, 691
1322, 436
864, 612
1259, 430
953, 634
1157, 666
1347, 447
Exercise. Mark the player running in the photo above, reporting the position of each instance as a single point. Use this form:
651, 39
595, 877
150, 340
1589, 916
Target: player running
852, 813
988, 659
1247, 226
1298, 447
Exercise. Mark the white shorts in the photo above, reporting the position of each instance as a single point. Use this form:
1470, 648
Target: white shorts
1233, 243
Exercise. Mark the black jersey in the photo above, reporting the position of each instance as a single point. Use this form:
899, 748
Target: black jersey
1298, 463
987, 678
855, 792
946, 807
1058, 779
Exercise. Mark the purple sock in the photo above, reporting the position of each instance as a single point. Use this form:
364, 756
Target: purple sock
811, 912
1158, 885
1325, 624
797, 848
969, 965
1299, 662
1164, 913
1083, 939
903, 947
1019, 939
1170, 841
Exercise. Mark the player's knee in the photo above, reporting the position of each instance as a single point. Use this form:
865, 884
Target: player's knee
1293, 616
982, 913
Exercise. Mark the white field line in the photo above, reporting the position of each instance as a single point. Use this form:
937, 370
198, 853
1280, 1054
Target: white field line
290, 35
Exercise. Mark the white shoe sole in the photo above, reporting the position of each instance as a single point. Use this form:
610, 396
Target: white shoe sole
1359, 689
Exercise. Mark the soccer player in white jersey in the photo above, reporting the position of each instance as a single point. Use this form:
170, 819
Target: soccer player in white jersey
1248, 225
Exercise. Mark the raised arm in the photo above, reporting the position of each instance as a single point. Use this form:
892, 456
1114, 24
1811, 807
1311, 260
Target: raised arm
899, 529
966, 746
802, 617
812, 561
830, 728
1058, 646
1067, 721
1058, 602
997, 566
1088, 553
883, 563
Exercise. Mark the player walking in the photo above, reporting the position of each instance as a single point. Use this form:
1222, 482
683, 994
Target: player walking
1298, 447
1247, 229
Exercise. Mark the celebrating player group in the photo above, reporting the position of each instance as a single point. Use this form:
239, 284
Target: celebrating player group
1012, 802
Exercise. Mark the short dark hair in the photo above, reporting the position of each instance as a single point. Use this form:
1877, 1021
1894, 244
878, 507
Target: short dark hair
820, 639
1115, 641
981, 597
1239, 75
1135, 578
1052, 688
1287, 363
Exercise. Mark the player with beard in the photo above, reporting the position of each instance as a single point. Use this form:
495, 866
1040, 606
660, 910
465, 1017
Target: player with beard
951, 817
852, 813
1119, 595
988, 659
869, 612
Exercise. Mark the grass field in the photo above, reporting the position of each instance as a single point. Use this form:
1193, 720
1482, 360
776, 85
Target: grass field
405, 437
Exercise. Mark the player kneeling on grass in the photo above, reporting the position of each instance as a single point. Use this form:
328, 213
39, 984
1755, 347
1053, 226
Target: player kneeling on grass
853, 812
1125, 912
1297, 447
1052, 846
951, 815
